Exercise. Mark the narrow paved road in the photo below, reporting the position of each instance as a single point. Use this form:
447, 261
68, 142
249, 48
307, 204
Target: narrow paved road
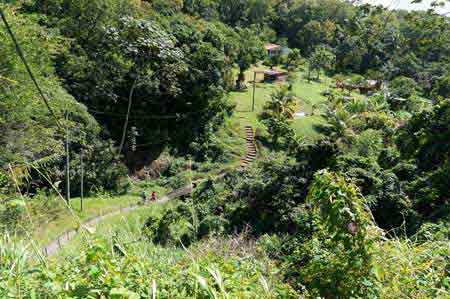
53, 247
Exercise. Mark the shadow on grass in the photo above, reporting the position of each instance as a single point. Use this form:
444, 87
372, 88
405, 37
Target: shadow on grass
324, 128
267, 143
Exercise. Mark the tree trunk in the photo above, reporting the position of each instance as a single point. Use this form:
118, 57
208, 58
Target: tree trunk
125, 125
309, 73
240, 82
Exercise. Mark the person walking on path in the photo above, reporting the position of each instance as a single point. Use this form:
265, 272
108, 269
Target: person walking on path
154, 196
144, 198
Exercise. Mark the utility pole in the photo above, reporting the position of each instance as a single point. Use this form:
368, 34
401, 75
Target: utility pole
254, 87
67, 160
82, 179
190, 173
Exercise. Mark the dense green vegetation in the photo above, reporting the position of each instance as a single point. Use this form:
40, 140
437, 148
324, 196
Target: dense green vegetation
348, 197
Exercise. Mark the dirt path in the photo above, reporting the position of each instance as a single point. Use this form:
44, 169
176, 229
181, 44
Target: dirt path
53, 247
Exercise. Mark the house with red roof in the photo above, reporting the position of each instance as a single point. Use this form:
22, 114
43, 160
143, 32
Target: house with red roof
273, 49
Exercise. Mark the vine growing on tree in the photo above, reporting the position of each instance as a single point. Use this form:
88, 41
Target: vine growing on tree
341, 250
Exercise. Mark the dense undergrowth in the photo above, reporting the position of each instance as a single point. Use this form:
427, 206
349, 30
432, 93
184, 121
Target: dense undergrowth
327, 258
327, 245
123, 267
339, 214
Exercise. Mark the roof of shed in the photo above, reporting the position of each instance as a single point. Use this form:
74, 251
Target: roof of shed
271, 46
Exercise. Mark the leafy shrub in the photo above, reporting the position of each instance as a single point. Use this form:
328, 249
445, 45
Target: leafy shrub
175, 227
424, 145
356, 79
431, 232
20, 214
13, 215
361, 171
442, 87
403, 87
376, 121
382, 189
207, 167
339, 77
266, 198
4, 182
342, 248
389, 157
176, 166
280, 129
209, 147
391, 206
356, 106
103, 171
378, 102
178, 181
135, 270
368, 143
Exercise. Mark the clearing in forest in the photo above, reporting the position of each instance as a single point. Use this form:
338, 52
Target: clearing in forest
309, 95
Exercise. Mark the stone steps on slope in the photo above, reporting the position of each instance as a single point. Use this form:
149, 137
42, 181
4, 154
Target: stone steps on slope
251, 150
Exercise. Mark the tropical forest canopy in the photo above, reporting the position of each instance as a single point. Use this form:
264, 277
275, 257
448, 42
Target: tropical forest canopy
145, 93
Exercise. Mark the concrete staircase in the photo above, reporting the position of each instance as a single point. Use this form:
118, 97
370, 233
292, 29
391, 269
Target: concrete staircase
251, 153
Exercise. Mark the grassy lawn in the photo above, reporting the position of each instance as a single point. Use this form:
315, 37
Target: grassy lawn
308, 93
306, 127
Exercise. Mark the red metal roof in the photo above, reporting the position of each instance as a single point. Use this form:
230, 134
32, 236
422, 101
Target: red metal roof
271, 46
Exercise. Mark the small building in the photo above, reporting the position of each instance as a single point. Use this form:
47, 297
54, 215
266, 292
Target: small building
273, 75
273, 49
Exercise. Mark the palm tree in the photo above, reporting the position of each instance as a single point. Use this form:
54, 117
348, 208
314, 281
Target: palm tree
339, 121
378, 103
355, 105
282, 103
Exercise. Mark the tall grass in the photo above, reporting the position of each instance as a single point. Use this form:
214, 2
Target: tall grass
119, 262
18, 261
413, 270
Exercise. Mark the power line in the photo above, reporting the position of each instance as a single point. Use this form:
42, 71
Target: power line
178, 115
30, 73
